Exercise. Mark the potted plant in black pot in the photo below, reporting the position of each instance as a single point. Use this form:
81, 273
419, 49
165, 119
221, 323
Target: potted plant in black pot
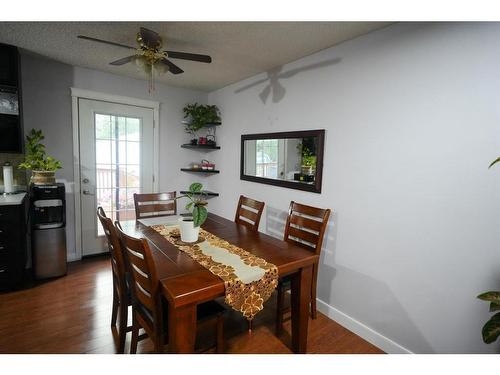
197, 116
43, 167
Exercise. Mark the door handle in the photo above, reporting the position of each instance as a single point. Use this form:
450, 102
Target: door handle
87, 192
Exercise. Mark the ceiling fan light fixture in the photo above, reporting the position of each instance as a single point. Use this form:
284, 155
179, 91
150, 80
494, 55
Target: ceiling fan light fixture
161, 68
140, 61
149, 57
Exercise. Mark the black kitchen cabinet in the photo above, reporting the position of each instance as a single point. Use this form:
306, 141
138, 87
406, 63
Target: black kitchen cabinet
9, 65
14, 242
11, 124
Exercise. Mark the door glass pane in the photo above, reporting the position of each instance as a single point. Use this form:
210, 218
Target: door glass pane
118, 159
133, 129
133, 153
102, 127
103, 151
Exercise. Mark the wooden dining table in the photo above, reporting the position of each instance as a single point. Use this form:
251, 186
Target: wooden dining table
185, 283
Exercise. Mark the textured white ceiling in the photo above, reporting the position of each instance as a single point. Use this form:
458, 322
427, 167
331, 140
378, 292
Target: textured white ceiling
238, 49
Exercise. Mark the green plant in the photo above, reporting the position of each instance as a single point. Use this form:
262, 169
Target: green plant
308, 159
197, 203
36, 158
199, 115
494, 162
491, 329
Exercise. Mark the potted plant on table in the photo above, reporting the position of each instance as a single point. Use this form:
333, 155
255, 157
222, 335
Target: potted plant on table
190, 225
43, 167
197, 116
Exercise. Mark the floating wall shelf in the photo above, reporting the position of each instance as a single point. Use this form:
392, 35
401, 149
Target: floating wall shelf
207, 125
200, 147
199, 170
209, 193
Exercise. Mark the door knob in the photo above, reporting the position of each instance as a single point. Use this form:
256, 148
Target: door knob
87, 192
85, 180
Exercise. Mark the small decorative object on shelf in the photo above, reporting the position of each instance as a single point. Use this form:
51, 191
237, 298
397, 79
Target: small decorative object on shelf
211, 140
206, 165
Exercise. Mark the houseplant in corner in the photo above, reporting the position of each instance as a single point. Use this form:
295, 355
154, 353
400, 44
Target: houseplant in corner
43, 167
491, 329
197, 116
190, 225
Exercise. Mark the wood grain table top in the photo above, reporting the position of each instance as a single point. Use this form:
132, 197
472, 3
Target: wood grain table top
184, 281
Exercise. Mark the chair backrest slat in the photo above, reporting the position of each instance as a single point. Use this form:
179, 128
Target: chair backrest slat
143, 271
302, 221
306, 225
303, 235
157, 204
249, 212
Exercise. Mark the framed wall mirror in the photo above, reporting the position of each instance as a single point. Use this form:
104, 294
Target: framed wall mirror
290, 159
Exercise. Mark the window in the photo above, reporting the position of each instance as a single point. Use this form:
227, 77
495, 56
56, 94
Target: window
266, 158
118, 160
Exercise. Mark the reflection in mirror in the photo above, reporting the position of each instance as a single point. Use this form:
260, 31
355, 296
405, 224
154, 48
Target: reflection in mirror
285, 159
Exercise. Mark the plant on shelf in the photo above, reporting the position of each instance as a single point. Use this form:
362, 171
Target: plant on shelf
491, 329
42, 167
199, 115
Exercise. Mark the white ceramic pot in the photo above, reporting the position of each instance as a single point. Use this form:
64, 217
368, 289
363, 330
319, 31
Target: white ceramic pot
189, 233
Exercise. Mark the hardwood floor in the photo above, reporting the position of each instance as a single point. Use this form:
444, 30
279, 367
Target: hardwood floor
72, 315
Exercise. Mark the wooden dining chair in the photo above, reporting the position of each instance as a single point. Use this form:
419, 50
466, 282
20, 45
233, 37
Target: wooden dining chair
155, 204
248, 212
148, 311
121, 290
305, 225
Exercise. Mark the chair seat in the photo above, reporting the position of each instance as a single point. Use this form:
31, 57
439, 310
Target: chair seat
209, 310
285, 281
204, 311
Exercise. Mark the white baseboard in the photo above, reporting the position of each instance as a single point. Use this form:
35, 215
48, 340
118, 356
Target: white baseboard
72, 257
373, 337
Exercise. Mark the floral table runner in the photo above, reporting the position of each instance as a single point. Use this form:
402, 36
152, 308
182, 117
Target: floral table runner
249, 280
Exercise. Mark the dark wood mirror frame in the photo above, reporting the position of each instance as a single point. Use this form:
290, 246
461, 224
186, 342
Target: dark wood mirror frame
315, 188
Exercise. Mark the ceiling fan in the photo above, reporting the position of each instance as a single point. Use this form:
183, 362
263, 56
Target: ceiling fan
149, 56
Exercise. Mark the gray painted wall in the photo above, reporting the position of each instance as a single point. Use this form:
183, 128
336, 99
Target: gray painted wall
47, 106
412, 121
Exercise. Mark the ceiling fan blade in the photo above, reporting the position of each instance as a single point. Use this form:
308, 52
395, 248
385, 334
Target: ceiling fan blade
104, 41
189, 56
174, 69
122, 61
150, 38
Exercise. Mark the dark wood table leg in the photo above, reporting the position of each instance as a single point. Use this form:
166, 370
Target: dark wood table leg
301, 297
181, 329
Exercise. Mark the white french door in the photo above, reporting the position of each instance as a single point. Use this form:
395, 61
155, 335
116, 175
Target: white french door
116, 161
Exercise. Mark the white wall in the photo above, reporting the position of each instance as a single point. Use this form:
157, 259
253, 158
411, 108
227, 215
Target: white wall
411, 114
47, 106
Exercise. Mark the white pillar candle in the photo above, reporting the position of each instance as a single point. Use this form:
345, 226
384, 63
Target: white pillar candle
8, 179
